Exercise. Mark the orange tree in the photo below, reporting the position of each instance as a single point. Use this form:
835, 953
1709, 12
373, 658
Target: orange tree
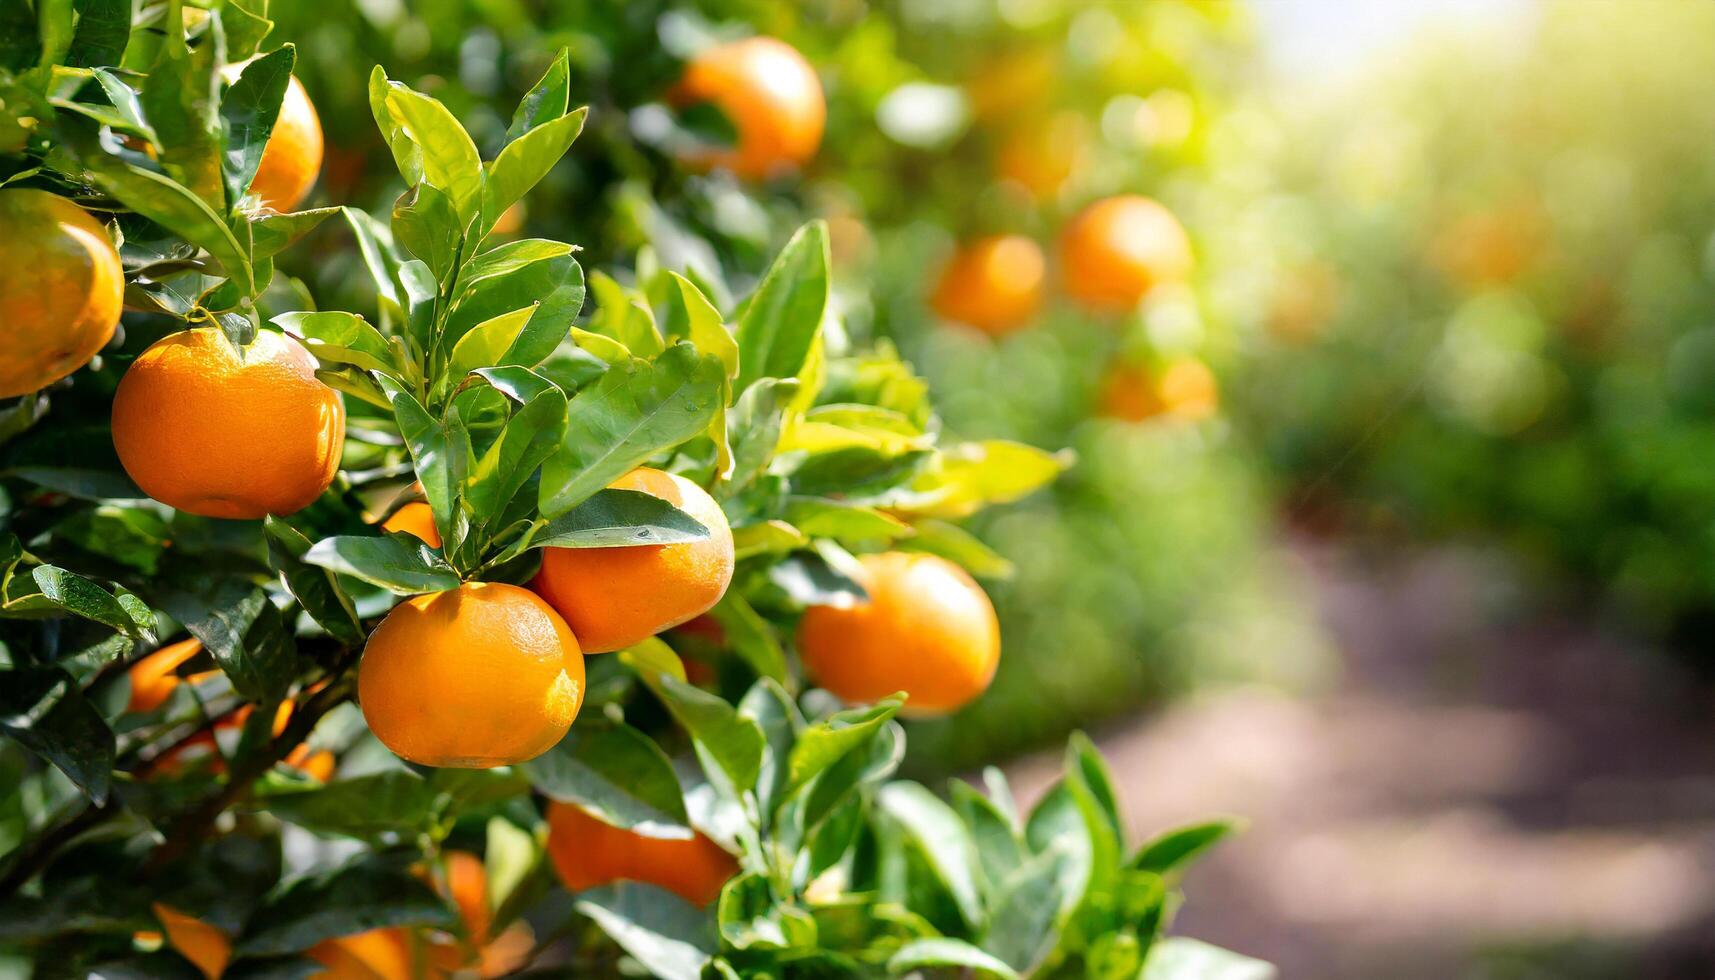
379, 549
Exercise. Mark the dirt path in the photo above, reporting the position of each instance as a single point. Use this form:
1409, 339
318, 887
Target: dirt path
1480, 796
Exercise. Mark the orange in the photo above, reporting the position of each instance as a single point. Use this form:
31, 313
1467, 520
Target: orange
61, 289
615, 597
467, 886
415, 518
993, 284
1184, 389
379, 954
1118, 249
1040, 158
152, 678
1491, 247
769, 93
483, 675
292, 159
928, 629
589, 853
205, 946
213, 430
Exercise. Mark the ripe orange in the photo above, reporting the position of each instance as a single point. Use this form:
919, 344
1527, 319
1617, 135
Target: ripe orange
1118, 249
467, 886
486, 955
1184, 389
1041, 157
152, 678
61, 289
1491, 247
772, 97
379, 954
928, 629
213, 430
993, 284
292, 159
589, 853
204, 945
483, 675
415, 518
615, 597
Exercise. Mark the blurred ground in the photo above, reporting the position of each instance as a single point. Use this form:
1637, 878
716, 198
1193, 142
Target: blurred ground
1484, 794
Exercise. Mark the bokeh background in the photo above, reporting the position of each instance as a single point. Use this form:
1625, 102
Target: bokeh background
1423, 583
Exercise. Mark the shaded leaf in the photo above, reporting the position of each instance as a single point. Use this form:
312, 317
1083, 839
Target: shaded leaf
616, 773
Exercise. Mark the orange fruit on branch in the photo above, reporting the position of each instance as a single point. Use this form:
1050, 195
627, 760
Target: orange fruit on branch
993, 284
483, 675
615, 597
219, 431
292, 157
1115, 251
769, 93
927, 629
588, 853
205, 946
61, 289
1183, 389
418, 519
153, 679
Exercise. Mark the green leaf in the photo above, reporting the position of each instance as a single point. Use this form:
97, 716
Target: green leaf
668, 936
516, 275
520, 384
397, 562
180, 95
973, 475
920, 954
242, 630
407, 155
547, 100
826, 742
1000, 850
1057, 823
620, 518
486, 344
315, 588
533, 432
618, 774
441, 452
449, 158
751, 918
623, 314
103, 29
689, 309
428, 226
1025, 910
729, 745
846, 523
371, 892
750, 637
248, 111
943, 840
784, 316
247, 24
340, 338
272, 232
753, 427
524, 161
50, 588
1171, 851
958, 546
163, 201
1179, 958
368, 807
42, 708
634, 411
1092, 790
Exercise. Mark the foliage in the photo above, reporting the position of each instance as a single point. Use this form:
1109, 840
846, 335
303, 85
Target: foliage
472, 380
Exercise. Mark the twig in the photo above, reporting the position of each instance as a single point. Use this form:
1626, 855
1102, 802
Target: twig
34, 856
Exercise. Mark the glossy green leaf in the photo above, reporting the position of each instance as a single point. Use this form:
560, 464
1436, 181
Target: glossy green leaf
1171, 851
546, 101
524, 161
978, 474
449, 158
315, 588
242, 630
340, 338
945, 843
616, 773
668, 936
533, 432
623, 314
272, 233
248, 110
782, 319
750, 637
441, 452
486, 344
427, 225
397, 562
103, 28
634, 411
620, 518
958, 546
954, 954
180, 95
42, 708
1179, 958
826, 742
1026, 908
729, 745
514, 276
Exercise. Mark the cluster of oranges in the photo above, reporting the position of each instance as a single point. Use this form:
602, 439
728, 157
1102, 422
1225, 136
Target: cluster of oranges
1112, 255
